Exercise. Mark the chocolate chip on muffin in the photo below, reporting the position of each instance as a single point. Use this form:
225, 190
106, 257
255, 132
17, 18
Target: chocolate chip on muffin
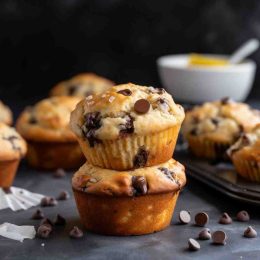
125, 92
142, 106
76, 232
128, 127
139, 185
141, 157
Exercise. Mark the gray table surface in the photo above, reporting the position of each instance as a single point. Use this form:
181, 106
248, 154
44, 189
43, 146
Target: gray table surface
168, 244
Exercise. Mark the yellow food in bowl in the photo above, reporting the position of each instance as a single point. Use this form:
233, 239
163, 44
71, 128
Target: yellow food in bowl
201, 60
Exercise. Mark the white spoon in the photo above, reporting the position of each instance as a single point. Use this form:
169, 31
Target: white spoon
244, 51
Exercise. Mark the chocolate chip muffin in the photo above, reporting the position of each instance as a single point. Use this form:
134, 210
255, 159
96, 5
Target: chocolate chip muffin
12, 149
128, 126
213, 127
245, 155
82, 85
5, 114
51, 143
134, 202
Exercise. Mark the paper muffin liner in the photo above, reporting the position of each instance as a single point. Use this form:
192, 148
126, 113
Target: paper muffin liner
124, 216
120, 154
208, 149
7, 172
54, 155
246, 168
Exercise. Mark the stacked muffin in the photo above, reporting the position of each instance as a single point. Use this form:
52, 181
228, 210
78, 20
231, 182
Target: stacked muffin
130, 183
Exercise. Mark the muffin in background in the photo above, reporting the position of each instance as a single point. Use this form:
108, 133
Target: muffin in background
82, 85
51, 143
6, 115
12, 149
245, 155
210, 129
123, 203
128, 126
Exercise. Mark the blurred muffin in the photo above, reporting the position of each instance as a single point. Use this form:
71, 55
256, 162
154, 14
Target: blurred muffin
82, 85
5, 114
12, 149
128, 126
51, 143
245, 155
213, 127
134, 202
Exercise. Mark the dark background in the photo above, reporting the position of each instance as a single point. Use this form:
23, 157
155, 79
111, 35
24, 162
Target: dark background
42, 42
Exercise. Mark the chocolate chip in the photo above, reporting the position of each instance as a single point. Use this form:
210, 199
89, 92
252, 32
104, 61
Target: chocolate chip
38, 214
194, 131
167, 172
225, 219
215, 121
44, 231
193, 245
153, 90
142, 106
72, 89
205, 234
92, 138
201, 219
60, 221
64, 195
59, 173
226, 100
243, 216
250, 232
128, 127
184, 217
219, 237
76, 232
32, 120
46, 221
125, 92
141, 158
139, 185
48, 202
12, 140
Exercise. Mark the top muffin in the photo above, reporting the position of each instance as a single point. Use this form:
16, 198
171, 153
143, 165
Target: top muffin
220, 121
48, 120
82, 85
12, 145
5, 114
125, 109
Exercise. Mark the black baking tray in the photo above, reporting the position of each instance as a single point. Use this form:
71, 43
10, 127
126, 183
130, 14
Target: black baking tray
221, 176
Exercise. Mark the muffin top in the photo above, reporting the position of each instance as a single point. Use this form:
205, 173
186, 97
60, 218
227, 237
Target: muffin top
82, 85
166, 177
248, 144
5, 114
12, 145
222, 120
123, 110
48, 120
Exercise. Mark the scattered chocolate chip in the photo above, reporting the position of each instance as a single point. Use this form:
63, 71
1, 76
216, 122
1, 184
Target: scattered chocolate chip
215, 121
226, 100
141, 157
201, 219
47, 221
250, 232
139, 185
59, 173
44, 231
194, 131
163, 104
153, 90
184, 217
219, 237
205, 234
12, 140
64, 195
72, 89
193, 245
128, 127
60, 221
32, 120
142, 106
167, 172
38, 214
225, 219
76, 232
125, 92
243, 216
48, 202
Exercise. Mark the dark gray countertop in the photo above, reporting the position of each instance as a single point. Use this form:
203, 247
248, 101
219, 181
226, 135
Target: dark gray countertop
168, 244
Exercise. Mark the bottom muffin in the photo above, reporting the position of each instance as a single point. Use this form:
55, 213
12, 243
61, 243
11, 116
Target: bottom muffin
12, 149
123, 203
245, 155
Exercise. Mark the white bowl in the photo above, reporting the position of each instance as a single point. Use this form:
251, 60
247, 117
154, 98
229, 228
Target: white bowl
200, 84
